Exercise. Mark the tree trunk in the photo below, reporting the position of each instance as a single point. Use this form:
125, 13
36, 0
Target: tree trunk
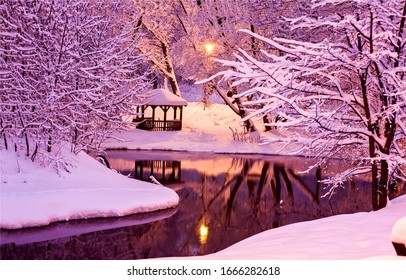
169, 67
166, 67
265, 119
174, 85
27, 143
3, 132
249, 124
383, 185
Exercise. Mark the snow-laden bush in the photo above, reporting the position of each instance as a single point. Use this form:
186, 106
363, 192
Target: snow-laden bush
69, 71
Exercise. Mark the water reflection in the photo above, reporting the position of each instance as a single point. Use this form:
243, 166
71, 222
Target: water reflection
203, 233
223, 199
163, 170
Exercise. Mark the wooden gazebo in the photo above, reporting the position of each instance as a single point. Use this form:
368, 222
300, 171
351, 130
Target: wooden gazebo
156, 115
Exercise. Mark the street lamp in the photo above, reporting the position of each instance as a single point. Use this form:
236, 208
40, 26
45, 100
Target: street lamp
209, 48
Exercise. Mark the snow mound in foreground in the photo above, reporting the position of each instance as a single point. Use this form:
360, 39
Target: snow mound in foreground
399, 231
31, 195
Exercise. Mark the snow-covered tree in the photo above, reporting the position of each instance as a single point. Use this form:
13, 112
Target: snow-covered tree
222, 20
341, 92
159, 23
69, 72
212, 28
181, 28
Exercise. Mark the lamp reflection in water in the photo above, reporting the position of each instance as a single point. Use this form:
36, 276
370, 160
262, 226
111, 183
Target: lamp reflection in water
203, 233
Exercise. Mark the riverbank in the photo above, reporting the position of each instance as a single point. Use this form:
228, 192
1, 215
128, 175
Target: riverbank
32, 195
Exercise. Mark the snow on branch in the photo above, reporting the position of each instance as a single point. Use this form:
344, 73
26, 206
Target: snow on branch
340, 92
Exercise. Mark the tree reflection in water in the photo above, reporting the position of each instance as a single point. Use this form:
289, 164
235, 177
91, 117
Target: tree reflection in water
223, 199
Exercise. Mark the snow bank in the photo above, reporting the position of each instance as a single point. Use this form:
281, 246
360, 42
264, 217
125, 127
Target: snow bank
31, 195
399, 231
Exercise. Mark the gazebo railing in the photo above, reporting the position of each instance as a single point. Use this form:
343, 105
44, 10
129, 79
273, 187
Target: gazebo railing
159, 125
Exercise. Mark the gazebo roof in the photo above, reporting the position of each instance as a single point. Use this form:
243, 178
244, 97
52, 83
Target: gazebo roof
163, 97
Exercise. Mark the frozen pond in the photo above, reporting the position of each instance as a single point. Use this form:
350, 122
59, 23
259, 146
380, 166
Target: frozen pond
223, 199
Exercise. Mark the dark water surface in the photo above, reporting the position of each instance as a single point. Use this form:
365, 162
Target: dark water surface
223, 199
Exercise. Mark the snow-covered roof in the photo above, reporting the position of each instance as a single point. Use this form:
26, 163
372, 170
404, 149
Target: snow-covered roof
162, 97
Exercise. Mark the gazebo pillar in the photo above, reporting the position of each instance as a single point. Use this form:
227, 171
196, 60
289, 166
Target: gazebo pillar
165, 109
181, 111
175, 108
153, 113
143, 112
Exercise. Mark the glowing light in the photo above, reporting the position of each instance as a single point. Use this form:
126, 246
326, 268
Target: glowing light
209, 47
204, 233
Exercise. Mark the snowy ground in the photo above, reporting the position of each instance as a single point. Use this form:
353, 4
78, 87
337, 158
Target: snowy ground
33, 196
30, 196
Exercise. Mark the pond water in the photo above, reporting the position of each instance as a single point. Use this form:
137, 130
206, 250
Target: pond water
223, 199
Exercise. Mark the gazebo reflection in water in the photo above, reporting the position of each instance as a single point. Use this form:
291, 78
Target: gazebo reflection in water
165, 171
155, 115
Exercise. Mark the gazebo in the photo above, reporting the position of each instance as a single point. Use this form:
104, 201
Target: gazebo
155, 114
